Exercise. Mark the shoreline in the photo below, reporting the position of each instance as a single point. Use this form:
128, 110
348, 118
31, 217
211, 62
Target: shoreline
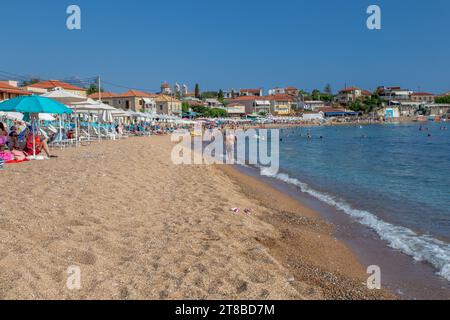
306, 244
401, 276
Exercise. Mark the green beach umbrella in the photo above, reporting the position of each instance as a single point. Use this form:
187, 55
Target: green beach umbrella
34, 104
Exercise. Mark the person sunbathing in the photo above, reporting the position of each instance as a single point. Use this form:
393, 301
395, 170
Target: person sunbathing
39, 145
3, 134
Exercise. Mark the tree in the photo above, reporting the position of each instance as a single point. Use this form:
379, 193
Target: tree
443, 99
185, 107
197, 91
328, 89
210, 95
315, 95
358, 106
31, 81
221, 96
93, 89
373, 103
217, 113
210, 112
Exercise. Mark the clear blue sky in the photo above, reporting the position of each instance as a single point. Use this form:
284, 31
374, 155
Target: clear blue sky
224, 44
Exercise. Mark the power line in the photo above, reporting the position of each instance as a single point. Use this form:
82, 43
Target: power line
86, 81
126, 87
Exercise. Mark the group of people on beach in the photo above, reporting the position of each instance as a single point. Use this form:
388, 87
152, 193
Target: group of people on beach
19, 142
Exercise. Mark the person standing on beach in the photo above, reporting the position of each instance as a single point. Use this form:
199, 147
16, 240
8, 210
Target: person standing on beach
230, 142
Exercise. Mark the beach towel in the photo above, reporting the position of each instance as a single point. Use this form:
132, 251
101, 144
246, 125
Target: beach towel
16, 161
6, 155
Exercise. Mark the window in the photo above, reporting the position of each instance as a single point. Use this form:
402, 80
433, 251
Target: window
127, 104
161, 107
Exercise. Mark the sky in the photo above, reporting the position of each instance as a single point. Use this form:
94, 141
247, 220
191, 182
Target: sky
230, 44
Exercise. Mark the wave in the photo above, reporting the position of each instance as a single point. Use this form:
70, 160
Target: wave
420, 247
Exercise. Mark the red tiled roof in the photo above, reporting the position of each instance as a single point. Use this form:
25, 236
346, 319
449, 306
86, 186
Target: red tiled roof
349, 89
366, 93
50, 84
105, 95
291, 88
246, 98
280, 97
251, 90
5, 87
135, 93
422, 94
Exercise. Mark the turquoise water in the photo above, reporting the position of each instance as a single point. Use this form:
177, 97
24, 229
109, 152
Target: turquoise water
394, 179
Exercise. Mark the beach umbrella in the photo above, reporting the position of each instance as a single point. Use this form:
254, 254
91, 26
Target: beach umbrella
66, 98
46, 117
34, 104
15, 116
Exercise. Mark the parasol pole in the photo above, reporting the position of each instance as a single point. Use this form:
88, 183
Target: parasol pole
60, 131
34, 139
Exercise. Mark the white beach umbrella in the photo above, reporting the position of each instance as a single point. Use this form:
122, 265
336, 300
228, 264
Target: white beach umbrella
46, 117
64, 97
68, 99
15, 116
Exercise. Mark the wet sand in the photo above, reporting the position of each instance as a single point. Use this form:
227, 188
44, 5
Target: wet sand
140, 227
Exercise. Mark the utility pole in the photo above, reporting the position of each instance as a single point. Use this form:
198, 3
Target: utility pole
99, 89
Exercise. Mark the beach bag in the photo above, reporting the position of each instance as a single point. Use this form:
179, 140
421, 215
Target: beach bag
19, 155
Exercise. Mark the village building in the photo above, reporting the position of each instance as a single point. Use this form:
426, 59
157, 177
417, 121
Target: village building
235, 110
422, 97
281, 104
394, 94
166, 89
289, 90
349, 95
132, 100
10, 90
168, 105
251, 92
313, 105
253, 104
49, 85
213, 103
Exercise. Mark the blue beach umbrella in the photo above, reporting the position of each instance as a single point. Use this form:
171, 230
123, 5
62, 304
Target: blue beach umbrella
34, 104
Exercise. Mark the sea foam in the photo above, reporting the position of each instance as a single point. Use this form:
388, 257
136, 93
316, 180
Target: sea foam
420, 247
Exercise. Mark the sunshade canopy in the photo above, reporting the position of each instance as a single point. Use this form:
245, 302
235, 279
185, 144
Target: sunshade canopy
34, 104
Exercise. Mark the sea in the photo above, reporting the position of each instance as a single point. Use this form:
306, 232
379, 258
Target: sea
392, 179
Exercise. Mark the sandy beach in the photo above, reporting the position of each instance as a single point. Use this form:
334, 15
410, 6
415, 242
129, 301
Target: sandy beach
140, 227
